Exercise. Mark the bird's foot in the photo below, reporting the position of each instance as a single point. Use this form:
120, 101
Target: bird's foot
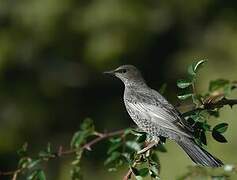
148, 147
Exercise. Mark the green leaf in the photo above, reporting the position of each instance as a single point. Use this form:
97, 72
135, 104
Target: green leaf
184, 83
76, 173
193, 68
154, 158
143, 172
114, 147
161, 148
218, 84
137, 133
154, 172
77, 160
133, 145
214, 113
138, 177
45, 154
221, 128
24, 162
141, 138
37, 175
41, 175
184, 96
87, 129
135, 171
87, 124
115, 140
218, 137
23, 150
33, 163
113, 157
77, 139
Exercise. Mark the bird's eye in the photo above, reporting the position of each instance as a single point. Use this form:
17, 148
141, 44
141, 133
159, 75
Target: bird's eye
122, 71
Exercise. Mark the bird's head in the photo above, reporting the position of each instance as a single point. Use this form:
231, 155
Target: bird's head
129, 74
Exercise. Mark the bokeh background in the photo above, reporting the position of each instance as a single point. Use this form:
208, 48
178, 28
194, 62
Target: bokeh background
53, 53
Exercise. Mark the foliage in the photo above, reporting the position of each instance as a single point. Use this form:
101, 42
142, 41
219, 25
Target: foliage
125, 145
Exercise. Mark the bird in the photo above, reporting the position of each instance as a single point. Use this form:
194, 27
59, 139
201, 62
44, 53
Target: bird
154, 115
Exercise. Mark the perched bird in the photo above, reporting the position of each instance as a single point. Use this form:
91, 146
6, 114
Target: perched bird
157, 117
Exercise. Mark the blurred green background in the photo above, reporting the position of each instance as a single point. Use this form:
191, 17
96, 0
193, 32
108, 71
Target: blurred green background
53, 52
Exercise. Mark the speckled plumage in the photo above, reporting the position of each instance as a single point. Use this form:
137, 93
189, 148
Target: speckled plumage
157, 117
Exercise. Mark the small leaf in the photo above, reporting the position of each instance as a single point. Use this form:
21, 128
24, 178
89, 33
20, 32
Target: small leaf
113, 157
137, 133
41, 175
37, 175
23, 150
197, 65
154, 172
45, 154
218, 84
184, 96
218, 137
112, 169
229, 167
33, 163
76, 173
143, 172
77, 139
135, 171
221, 128
24, 162
115, 140
214, 113
87, 124
184, 83
133, 145
138, 178
154, 158
193, 68
161, 148
113, 147
141, 138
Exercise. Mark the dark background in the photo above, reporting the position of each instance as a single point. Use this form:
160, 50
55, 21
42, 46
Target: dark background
53, 53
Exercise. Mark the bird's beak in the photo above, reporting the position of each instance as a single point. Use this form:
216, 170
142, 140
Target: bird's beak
109, 72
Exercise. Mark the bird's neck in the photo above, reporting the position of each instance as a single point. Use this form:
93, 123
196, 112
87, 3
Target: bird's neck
135, 84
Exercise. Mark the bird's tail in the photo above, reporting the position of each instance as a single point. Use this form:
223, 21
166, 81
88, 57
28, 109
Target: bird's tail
198, 154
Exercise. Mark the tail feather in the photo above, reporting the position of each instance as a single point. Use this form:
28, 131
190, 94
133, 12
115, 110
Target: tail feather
198, 154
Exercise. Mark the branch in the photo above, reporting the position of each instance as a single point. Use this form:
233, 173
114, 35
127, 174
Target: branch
220, 103
60, 152
148, 147
212, 105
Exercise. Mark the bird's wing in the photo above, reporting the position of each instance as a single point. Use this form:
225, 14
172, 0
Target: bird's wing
158, 116
153, 105
170, 109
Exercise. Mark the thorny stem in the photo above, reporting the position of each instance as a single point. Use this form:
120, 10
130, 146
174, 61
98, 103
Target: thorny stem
144, 150
212, 105
62, 152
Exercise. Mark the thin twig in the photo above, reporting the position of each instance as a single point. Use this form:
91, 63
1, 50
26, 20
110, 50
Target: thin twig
212, 105
60, 151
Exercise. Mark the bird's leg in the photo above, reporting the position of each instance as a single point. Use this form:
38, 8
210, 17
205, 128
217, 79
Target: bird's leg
148, 147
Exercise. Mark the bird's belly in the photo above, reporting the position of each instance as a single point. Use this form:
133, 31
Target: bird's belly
145, 124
